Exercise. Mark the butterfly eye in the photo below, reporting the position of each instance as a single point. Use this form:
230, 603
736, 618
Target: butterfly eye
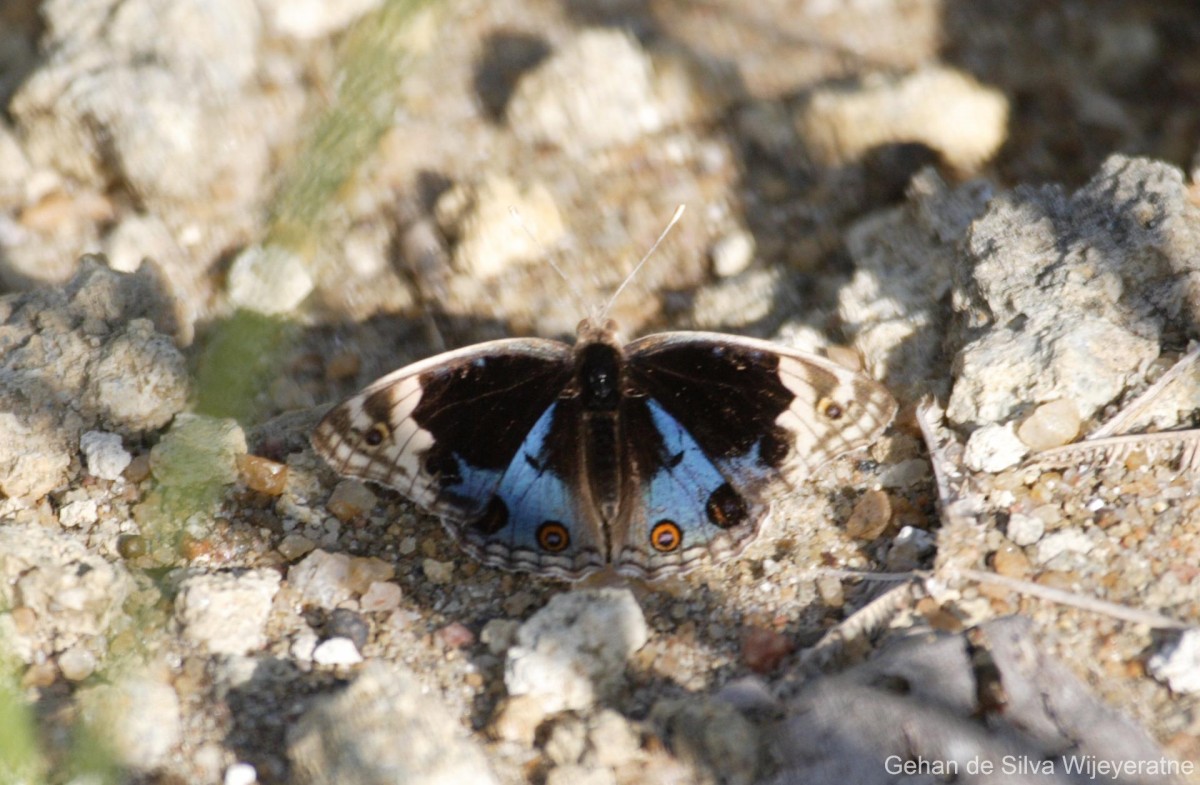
827, 407
553, 537
379, 431
666, 536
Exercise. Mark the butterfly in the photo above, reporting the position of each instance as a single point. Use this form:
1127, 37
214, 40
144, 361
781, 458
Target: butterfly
646, 458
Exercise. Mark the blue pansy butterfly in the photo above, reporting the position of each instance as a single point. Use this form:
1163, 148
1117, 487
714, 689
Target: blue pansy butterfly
645, 457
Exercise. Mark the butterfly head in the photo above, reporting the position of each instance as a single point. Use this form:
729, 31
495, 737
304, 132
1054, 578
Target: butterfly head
597, 329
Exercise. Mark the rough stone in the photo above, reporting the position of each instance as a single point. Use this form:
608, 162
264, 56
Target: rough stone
574, 650
140, 719
225, 613
351, 737
71, 593
1067, 297
106, 456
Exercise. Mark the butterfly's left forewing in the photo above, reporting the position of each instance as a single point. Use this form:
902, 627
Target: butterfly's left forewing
444, 431
731, 416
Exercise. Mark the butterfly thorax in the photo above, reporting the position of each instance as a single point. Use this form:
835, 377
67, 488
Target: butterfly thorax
597, 388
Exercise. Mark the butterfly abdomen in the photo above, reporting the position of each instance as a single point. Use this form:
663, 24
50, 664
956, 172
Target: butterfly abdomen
599, 370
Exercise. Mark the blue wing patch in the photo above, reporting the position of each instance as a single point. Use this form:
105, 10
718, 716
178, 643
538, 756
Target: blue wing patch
679, 490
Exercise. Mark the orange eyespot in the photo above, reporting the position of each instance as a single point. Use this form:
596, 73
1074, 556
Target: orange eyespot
827, 407
378, 433
666, 536
553, 537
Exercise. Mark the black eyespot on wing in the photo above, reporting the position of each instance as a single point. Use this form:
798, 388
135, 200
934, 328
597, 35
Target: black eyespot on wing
666, 536
494, 518
725, 508
442, 464
553, 537
377, 434
830, 409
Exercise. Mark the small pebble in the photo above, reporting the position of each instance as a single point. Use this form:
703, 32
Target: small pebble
106, 457
350, 500
870, 515
517, 719
295, 546
263, 475
138, 469
764, 649
1178, 663
366, 570
39, 674
131, 546
829, 587
1060, 542
77, 514
345, 623
437, 572
336, 651
499, 635
455, 635
380, 596
1025, 529
1051, 425
303, 646
1010, 561
733, 253
76, 663
993, 448
24, 619
241, 774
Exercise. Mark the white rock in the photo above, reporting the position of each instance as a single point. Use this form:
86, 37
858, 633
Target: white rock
78, 513
106, 456
269, 280
309, 19
380, 596
336, 651
77, 663
1050, 425
1065, 541
596, 92
1025, 529
945, 109
488, 238
1178, 663
75, 594
227, 614
733, 253
140, 379
138, 717
241, 774
993, 448
385, 727
574, 650
303, 646
322, 579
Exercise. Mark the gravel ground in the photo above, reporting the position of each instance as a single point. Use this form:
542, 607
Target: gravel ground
218, 217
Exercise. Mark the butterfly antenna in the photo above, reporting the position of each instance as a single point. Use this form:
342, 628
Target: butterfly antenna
670, 225
516, 216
